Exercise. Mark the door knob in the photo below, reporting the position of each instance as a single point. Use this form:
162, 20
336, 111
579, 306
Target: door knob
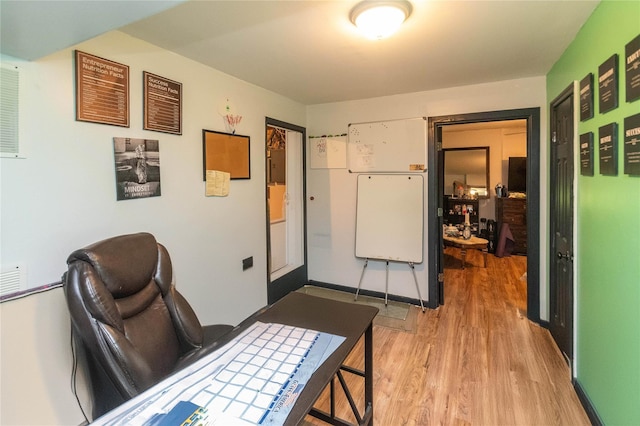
567, 256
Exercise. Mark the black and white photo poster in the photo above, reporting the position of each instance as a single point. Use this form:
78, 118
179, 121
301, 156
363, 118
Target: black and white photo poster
586, 97
608, 84
586, 154
137, 163
632, 145
608, 147
632, 69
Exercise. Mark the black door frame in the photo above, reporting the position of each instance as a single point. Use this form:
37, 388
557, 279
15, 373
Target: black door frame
532, 115
298, 277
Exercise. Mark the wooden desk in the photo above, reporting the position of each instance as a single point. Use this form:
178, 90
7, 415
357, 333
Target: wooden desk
464, 245
349, 320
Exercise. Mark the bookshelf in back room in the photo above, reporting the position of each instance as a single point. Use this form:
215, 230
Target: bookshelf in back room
455, 209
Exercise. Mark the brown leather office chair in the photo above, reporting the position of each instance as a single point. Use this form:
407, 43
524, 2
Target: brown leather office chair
128, 320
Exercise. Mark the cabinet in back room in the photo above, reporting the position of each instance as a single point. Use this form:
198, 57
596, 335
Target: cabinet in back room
513, 211
454, 209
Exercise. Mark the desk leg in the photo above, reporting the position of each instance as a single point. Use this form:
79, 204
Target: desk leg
386, 286
368, 376
463, 254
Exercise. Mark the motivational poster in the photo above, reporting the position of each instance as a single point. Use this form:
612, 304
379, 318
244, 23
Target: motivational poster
137, 164
608, 147
102, 90
586, 97
162, 104
632, 69
608, 84
586, 154
632, 145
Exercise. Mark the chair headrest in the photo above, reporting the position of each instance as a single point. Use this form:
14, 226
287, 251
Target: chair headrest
125, 263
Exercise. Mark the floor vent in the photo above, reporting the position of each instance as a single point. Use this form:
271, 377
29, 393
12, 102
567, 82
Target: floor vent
12, 279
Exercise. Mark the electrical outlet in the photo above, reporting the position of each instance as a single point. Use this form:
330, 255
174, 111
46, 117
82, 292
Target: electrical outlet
247, 263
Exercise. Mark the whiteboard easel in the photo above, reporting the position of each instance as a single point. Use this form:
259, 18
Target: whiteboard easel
390, 221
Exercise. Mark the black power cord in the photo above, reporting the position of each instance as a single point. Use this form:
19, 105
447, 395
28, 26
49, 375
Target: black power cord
74, 377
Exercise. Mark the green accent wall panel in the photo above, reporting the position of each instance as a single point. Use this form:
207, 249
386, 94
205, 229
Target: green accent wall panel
607, 229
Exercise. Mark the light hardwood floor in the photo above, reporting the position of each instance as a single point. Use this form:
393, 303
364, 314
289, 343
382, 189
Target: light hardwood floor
476, 360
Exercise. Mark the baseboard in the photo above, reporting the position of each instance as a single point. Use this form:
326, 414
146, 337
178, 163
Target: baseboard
587, 405
369, 293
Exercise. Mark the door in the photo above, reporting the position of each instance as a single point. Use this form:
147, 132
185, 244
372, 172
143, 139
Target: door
561, 223
440, 252
286, 214
435, 194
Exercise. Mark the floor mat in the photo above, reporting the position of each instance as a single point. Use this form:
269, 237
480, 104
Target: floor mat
396, 315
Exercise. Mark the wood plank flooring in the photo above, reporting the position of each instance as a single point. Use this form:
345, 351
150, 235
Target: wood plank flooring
477, 360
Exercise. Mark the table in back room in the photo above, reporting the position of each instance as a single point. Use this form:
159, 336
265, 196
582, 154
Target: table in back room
474, 243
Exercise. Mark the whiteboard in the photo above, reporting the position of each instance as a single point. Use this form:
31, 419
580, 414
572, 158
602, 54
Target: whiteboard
388, 146
389, 217
328, 152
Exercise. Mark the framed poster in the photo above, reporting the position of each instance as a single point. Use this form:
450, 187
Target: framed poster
137, 163
226, 152
586, 154
162, 104
632, 69
608, 84
608, 147
586, 97
102, 90
632, 145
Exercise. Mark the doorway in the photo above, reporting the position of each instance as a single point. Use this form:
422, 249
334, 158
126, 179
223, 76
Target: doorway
286, 208
561, 268
436, 197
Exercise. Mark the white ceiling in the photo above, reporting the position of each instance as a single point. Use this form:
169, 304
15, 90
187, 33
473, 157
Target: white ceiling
308, 50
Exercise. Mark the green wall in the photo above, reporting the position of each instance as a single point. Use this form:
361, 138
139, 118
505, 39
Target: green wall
607, 229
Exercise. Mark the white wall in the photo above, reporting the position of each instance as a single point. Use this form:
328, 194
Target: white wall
62, 197
35, 362
331, 215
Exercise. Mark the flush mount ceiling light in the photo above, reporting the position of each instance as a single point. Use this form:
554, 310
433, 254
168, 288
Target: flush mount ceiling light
380, 19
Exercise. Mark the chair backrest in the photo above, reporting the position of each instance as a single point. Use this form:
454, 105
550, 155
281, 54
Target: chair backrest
132, 325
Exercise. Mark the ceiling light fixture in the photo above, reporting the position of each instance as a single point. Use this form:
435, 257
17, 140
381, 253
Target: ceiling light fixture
380, 19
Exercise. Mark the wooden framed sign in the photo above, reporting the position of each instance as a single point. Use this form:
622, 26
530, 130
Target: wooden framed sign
608, 84
102, 90
632, 69
608, 147
162, 104
586, 97
632, 145
586, 154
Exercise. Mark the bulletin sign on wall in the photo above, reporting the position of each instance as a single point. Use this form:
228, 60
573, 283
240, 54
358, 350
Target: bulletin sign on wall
586, 97
162, 104
632, 69
608, 84
586, 154
632, 145
102, 90
608, 146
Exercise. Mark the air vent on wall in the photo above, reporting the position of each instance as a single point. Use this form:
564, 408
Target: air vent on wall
12, 279
9, 97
